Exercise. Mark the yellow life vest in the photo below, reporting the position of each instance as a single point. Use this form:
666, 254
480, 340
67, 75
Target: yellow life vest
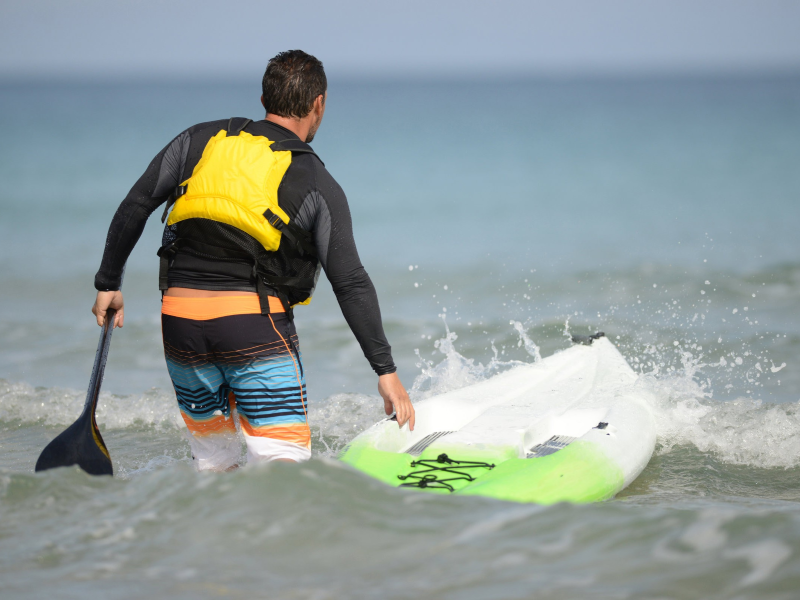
236, 182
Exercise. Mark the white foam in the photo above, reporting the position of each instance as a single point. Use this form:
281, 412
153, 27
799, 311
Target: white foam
341, 417
741, 431
60, 407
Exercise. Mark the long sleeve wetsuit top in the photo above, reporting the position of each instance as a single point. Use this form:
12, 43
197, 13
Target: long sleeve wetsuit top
321, 209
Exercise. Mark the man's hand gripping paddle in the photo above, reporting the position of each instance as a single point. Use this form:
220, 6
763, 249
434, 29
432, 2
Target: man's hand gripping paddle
81, 443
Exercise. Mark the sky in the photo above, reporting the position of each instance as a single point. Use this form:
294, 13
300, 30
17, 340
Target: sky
200, 38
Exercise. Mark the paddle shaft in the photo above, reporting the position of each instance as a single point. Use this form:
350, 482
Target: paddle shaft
81, 443
98, 370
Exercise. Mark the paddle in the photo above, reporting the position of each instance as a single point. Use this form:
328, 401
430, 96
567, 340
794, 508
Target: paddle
81, 443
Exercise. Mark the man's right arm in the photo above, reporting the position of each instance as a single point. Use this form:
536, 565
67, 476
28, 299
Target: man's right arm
151, 190
148, 193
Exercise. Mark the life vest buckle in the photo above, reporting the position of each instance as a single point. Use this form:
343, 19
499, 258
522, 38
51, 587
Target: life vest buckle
173, 197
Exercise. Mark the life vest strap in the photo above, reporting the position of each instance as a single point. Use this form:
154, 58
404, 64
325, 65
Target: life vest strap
236, 124
265, 291
172, 198
299, 237
165, 256
270, 285
294, 146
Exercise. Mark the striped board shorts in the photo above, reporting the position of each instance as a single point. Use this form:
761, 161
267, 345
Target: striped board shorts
232, 365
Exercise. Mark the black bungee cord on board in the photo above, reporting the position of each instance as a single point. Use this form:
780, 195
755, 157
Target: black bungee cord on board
426, 477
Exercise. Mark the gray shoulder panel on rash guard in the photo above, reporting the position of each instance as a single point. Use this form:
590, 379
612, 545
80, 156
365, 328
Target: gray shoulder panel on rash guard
315, 216
172, 164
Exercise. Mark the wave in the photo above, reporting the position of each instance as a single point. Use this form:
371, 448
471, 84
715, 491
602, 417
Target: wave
742, 430
23, 403
154, 531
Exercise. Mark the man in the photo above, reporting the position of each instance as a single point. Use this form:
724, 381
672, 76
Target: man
253, 214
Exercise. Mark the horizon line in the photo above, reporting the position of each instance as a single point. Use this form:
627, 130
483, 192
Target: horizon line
410, 76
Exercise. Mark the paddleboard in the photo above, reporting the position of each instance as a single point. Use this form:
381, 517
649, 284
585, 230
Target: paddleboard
573, 427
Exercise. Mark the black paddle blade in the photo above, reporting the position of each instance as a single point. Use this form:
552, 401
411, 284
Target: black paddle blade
81, 443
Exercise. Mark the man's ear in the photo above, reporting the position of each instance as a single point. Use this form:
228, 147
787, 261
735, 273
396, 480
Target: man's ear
262, 102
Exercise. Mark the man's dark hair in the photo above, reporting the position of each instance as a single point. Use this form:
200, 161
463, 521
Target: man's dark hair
291, 83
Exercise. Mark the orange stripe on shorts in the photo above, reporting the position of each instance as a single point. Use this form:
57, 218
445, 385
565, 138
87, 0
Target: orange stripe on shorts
214, 425
297, 434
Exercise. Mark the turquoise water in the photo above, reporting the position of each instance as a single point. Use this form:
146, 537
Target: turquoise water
493, 217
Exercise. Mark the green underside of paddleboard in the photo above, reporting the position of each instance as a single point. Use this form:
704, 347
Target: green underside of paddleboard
580, 472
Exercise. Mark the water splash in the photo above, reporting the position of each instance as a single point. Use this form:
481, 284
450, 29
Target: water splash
20, 402
340, 418
742, 431
456, 371
530, 347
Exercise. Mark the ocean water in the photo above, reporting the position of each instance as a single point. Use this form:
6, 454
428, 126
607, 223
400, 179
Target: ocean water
495, 218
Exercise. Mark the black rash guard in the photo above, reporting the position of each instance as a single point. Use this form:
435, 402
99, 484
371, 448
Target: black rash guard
322, 210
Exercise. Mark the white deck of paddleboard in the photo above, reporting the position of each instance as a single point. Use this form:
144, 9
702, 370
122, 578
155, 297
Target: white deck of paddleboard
567, 394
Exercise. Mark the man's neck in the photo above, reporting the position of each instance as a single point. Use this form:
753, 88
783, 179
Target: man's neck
299, 127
